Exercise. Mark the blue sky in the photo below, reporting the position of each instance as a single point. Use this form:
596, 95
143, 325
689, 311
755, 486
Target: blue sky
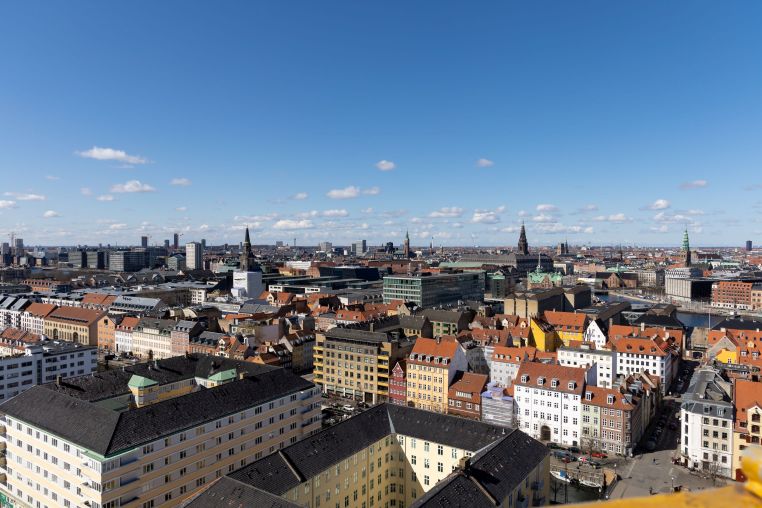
592, 121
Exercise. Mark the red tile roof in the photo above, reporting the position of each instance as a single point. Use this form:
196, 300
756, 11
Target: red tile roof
549, 372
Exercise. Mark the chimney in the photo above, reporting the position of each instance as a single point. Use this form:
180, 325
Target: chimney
464, 463
241, 375
642, 326
59, 379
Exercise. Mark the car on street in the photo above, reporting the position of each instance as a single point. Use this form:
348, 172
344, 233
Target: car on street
574, 449
553, 446
563, 456
599, 455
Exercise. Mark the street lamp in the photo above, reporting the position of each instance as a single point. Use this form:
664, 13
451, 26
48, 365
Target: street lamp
673, 483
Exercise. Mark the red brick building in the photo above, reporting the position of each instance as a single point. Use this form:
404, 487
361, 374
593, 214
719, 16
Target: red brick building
465, 393
398, 384
731, 294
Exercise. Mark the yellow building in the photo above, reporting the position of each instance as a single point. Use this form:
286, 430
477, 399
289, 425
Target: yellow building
568, 326
394, 456
431, 367
747, 429
356, 363
543, 336
149, 435
74, 324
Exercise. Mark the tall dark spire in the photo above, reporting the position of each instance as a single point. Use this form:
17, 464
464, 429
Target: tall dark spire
523, 245
687, 248
246, 262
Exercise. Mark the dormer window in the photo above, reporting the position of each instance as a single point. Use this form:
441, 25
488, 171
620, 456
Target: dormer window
554, 383
571, 385
540, 381
524, 378
588, 396
610, 399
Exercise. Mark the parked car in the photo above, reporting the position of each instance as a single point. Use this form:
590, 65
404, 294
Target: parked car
574, 449
563, 456
553, 446
599, 455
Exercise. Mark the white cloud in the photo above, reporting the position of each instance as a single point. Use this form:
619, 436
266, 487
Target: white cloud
52, 178
373, 191
324, 213
110, 154
659, 204
86, 191
50, 214
588, 208
385, 165
345, 193
695, 184
523, 213
26, 197
547, 208
484, 163
543, 217
117, 227
132, 186
4, 203
660, 229
255, 218
180, 182
617, 217
105, 197
450, 212
367, 210
181, 208
299, 196
485, 217
293, 224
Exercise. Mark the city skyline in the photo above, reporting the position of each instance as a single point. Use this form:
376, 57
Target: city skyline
456, 124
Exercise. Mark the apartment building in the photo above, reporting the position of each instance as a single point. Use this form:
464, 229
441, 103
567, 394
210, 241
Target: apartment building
123, 334
569, 326
431, 368
497, 406
506, 361
657, 356
398, 384
587, 354
732, 294
33, 317
107, 332
706, 414
11, 308
74, 324
548, 399
152, 338
42, 361
464, 395
747, 397
394, 456
356, 363
148, 435
610, 421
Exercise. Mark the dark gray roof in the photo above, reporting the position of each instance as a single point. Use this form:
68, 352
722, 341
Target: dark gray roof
287, 468
492, 475
227, 492
347, 333
69, 411
661, 321
739, 323
443, 316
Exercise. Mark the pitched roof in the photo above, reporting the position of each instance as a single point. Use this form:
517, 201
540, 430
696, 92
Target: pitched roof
432, 348
638, 346
69, 410
747, 395
77, 314
600, 397
40, 309
564, 375
513, 354
573, 319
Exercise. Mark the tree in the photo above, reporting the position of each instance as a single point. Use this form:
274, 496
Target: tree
150, 355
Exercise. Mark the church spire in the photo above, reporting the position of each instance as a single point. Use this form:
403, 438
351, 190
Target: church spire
247, 239
687, 248
523, 245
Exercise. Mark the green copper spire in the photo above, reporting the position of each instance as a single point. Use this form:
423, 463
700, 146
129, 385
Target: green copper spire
686, 243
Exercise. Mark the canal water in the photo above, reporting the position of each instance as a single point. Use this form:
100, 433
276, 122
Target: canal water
689, 319
569, 494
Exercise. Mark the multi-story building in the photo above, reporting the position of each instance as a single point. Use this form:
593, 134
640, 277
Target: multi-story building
732, 294
394, 456
96, 259
657, 356
33, 317
431, 368
123, 334
44, 361
126, 261
706, 415
11, 308
107, 332
464, 395
356, 363
148, 435
548, 401
756, 296
748, 421
569, 326
398, 384
610, 420
152, 338
431, 290
73, 323
301, 345
181, 334
506, 361
497, 406
194, 256
587, 354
